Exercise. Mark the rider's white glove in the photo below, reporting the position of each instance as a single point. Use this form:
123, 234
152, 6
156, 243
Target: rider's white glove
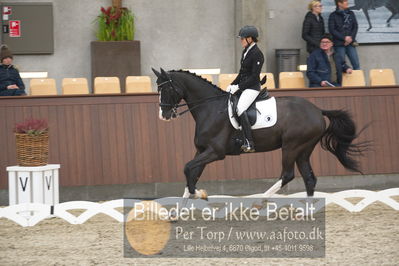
232, 89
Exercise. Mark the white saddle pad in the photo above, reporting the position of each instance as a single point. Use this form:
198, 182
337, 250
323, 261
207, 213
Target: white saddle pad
266, 114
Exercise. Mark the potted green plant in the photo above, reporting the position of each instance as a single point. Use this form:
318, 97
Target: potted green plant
32, 141
115, 53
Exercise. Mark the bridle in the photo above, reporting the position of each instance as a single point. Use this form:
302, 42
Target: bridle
175, 106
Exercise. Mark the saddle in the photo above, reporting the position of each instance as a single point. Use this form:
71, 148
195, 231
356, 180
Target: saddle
251, 111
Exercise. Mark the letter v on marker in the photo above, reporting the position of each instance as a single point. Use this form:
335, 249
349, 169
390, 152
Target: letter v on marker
23, 185
48, 182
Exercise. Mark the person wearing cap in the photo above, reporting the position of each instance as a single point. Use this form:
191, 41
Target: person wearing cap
11, 83
325, 66
248, 81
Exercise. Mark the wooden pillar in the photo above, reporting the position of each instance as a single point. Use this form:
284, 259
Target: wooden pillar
250, 13
117, 3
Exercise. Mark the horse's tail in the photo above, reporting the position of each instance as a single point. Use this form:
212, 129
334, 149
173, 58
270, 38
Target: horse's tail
339, 136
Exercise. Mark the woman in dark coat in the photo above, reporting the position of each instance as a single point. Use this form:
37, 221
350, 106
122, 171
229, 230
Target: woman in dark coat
313, 26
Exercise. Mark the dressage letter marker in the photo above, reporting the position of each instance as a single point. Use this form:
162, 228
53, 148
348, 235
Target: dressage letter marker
33, 185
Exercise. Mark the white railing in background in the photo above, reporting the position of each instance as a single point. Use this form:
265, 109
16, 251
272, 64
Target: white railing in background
43, 211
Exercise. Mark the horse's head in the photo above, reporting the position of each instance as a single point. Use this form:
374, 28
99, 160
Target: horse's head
169, 95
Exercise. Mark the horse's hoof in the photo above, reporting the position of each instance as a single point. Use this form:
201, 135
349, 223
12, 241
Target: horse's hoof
257, 206
172, 217
193, 196
199, 194
203, 194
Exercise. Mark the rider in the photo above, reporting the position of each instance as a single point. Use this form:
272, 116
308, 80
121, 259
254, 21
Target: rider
248, 80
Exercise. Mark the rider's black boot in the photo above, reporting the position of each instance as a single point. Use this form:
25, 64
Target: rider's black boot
249, 145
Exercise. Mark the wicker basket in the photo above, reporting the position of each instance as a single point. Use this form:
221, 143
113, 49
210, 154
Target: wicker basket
32, 150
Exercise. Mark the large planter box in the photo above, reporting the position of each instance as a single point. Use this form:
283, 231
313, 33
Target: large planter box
115, 59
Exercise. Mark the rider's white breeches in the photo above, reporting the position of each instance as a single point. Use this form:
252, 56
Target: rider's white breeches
246, 99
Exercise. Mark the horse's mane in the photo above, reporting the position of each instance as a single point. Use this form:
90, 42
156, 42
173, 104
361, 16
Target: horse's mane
199, 77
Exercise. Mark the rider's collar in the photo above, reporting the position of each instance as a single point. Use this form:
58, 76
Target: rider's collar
249, 48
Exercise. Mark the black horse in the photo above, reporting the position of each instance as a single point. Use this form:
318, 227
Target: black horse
366, 5
299, 128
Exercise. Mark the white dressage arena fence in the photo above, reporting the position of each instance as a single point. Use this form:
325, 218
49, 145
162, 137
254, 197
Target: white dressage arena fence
41, 212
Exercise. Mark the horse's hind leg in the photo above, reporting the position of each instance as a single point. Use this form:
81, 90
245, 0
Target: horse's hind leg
287, 173
303, 163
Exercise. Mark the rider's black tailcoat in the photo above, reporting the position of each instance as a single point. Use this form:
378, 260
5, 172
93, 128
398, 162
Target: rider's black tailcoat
251, 66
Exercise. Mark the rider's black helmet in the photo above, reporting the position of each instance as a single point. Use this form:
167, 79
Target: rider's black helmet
248, 31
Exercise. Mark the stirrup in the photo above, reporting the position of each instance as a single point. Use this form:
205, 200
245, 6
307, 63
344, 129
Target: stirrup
248, 146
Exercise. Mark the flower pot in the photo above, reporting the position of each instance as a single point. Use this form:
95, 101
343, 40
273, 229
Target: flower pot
32, 150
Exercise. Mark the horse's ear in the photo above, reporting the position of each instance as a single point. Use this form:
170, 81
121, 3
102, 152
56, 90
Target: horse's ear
164, 74
156, 73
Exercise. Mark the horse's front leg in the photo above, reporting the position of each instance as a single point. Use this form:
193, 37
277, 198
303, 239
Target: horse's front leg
194, 168
201, 194
197, 172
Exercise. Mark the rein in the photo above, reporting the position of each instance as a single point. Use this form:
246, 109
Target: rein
177, 105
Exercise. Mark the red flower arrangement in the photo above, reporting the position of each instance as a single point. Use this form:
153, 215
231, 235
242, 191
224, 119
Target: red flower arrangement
111, 14
115, 24
32, 127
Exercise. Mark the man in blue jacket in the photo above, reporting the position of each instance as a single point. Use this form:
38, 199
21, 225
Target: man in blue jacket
11, 83
324, 66
342, 24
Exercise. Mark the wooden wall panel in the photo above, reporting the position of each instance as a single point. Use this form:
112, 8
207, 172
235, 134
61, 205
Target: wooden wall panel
118, 139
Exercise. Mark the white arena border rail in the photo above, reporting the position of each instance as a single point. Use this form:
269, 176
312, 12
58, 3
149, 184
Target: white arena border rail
42, 211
